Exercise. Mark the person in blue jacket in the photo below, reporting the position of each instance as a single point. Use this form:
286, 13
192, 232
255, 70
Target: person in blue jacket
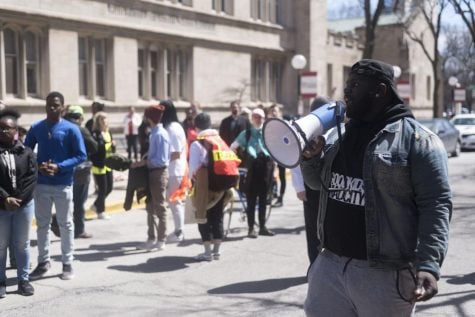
60, 148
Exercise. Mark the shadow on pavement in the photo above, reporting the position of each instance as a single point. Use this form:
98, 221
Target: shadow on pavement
157, 265
457, 302
264, 286
102, 252
461, 279
296, 230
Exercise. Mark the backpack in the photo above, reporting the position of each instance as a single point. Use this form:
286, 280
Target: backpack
218, 182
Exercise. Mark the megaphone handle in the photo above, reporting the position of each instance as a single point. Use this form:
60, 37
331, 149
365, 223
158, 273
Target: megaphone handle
302, 134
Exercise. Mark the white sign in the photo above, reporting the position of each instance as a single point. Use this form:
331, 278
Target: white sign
404, 90
308, 84
459, 95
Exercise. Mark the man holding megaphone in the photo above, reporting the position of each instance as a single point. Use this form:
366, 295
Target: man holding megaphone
385, 204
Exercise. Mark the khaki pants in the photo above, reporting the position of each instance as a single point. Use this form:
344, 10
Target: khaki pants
156, 209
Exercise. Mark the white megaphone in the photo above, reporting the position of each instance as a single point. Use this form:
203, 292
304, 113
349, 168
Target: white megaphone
287, 140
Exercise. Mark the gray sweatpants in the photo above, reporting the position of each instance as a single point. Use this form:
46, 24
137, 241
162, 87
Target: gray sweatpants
345, 287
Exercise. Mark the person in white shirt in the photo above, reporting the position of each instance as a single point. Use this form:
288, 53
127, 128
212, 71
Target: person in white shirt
132, 121
178, 182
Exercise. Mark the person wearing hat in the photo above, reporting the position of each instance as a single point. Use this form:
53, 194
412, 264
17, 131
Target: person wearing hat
259, 172
385, 204
158, 159
82, 176
18, 174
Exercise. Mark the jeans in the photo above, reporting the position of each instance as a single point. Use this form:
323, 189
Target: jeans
80, 192
346, 287
62, 197
15, 225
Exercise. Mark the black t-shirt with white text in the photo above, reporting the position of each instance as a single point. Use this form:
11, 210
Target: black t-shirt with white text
345, 229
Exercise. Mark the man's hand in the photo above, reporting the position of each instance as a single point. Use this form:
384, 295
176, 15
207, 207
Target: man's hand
302, 196
48, 168
12, 203
314, 148
138, 164
426, 287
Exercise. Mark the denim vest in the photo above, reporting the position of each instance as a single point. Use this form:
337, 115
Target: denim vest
407, 194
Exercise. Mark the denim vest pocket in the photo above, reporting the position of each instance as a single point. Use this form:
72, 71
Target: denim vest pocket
391, 171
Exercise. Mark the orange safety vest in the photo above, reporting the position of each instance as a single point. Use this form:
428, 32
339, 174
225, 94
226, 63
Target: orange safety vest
226, 162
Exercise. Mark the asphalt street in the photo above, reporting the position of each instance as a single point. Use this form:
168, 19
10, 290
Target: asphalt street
254, 277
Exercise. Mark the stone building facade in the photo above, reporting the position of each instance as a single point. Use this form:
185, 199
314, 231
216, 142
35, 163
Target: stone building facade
134, 53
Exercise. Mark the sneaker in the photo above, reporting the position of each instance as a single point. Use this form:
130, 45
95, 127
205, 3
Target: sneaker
278, 203
83, 235
103, 216
25, 288
174, 237
40, 270
216, 256
93, 208
3, 290
252, 234
68, 273
266, 232
204, 257
160, 245
149, 245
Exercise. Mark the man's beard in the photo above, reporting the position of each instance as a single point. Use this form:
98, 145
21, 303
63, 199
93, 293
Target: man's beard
362, 109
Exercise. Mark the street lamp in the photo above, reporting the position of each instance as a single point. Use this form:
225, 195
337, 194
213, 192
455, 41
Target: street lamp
397, 71
298, 62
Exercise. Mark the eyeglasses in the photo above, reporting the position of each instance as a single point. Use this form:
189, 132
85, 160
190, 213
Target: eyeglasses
6, 129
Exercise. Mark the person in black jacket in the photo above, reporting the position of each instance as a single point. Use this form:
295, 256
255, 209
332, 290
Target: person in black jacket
18, 172
232, 125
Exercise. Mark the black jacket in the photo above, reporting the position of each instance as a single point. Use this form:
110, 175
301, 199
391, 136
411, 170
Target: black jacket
231, 127
26, 170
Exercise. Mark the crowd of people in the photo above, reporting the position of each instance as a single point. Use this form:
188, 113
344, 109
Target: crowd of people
377, 201
175, 154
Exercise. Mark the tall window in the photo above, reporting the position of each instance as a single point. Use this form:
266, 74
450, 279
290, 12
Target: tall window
266, 80
181, 64
140, 73
223, 6
169, 69
22, 63
32, 63
92, 63
100, 66
267, 10
11, 60
163, 73
154, 74
83, 66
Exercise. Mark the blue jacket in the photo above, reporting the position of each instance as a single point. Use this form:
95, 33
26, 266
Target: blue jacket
407, 194
62, 143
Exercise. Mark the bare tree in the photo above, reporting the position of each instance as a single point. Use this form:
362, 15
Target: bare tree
431, 12
458, 59
371, 22
466, 10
